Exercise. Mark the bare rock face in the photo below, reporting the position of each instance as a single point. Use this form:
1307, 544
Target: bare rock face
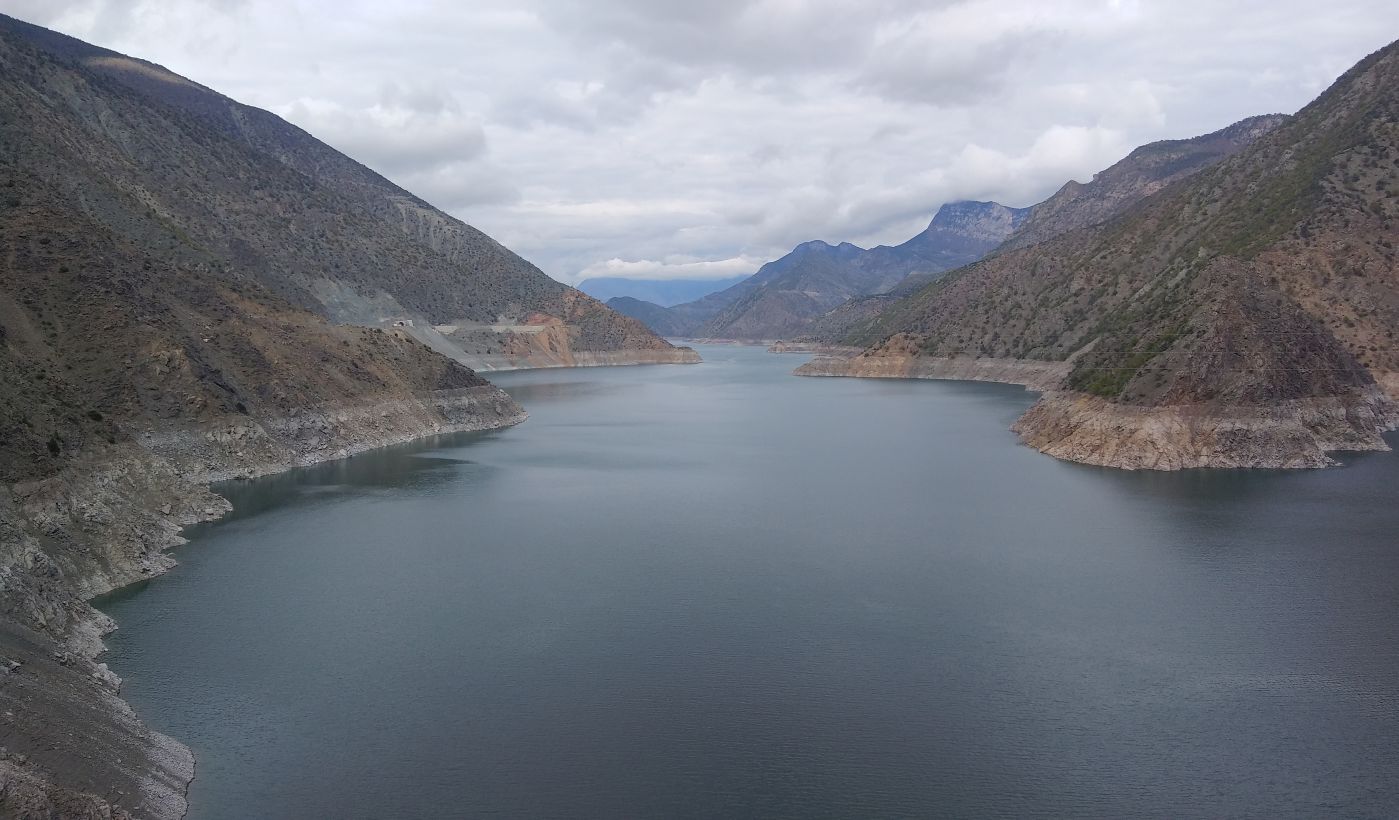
1240, 316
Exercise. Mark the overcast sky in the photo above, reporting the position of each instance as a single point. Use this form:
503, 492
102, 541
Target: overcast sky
693, 138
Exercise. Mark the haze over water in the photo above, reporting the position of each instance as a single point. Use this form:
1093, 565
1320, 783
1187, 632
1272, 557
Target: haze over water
718, 590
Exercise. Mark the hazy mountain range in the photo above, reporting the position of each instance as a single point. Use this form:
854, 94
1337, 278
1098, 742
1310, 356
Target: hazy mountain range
663, 292
783, 298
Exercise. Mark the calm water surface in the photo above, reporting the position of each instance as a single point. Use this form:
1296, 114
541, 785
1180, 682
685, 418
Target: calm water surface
720, 591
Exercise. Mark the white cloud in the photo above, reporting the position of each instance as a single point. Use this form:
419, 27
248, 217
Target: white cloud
390, 138
684, 136
672, 268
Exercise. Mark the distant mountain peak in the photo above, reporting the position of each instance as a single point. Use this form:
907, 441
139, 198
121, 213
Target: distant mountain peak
979, 220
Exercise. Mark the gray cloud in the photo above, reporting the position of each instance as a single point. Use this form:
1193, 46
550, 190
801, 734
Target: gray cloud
661, 138
393, 140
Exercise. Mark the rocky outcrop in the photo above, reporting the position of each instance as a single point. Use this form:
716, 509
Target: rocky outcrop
1293, 434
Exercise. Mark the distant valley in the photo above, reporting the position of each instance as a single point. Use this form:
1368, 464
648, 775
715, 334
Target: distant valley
786, 296
195, 291
662, 292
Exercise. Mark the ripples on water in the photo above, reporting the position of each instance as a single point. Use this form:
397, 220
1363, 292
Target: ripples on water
718, 590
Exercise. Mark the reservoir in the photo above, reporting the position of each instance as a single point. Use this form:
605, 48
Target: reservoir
722, 591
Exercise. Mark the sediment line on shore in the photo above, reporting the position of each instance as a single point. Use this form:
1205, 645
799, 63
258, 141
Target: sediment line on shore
71, 746
1294, 434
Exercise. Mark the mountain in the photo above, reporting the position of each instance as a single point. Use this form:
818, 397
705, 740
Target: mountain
147, 152
1140, 174
1243, 316
1145, 171
194, 290
662, 320
786, 295
686, 318
663, 292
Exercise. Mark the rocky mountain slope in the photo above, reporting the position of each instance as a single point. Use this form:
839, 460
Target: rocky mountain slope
786, 295
1244, 316
1136, 176
1145, 171
127, 382
147, 154
170, 266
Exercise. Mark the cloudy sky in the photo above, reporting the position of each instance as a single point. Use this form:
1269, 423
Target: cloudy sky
699, 138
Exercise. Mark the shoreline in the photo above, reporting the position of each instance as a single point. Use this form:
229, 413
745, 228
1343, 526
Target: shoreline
121, 513
73, 746
1084, 429
502, 363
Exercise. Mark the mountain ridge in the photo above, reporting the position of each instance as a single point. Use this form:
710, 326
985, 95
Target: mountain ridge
786, 295
347, 243
1242, 316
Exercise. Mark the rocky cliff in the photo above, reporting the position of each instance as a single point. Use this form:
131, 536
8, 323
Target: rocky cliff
1241, 316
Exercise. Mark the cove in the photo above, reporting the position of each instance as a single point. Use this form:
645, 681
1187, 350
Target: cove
718, 590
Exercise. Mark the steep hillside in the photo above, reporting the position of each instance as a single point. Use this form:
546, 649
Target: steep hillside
126, 383
786, 295
263, 200
1076, 205
1244, 316
164, 292
1136, 176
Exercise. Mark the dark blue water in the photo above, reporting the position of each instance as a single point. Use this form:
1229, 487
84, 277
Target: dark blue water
720, 591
